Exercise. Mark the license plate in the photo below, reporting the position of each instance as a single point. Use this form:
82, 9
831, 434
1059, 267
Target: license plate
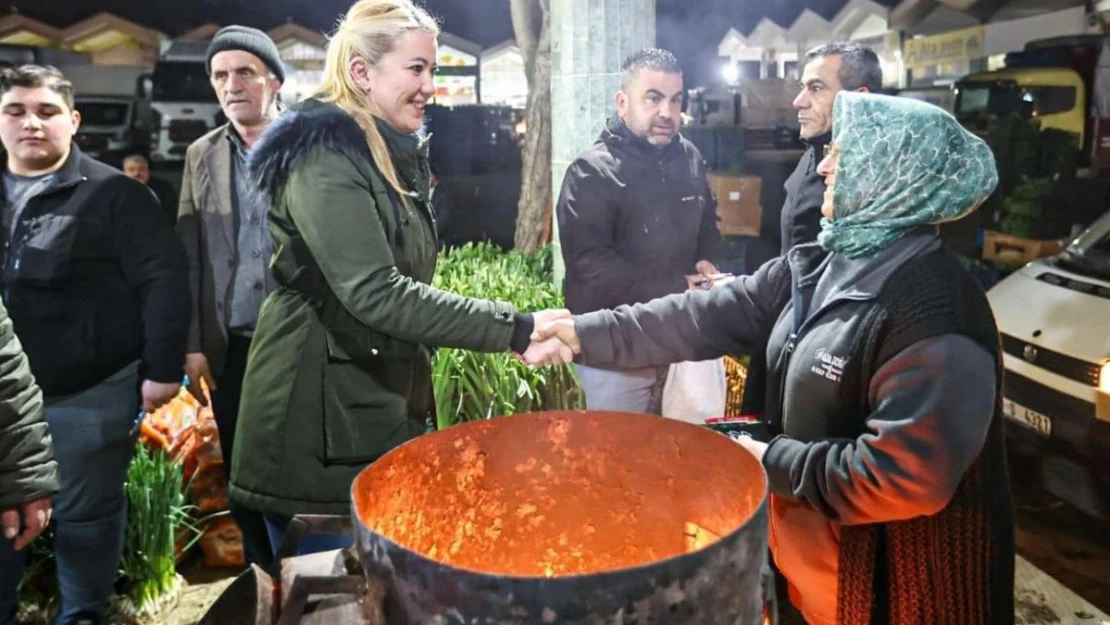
1029, 418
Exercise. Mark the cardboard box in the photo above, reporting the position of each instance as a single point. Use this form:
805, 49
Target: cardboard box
1005, 248
738, 204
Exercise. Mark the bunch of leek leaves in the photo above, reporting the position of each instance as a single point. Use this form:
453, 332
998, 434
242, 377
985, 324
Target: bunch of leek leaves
471, 385
160, 526
159, 519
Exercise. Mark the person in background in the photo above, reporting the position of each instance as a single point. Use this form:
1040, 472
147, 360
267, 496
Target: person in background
637, 219
828, 70
138, 167
887, 462
339, 370
222, 223
94, 280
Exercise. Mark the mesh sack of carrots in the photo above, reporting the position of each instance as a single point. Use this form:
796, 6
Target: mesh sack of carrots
187, 431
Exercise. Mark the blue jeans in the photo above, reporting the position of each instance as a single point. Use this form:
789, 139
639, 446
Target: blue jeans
93, 446
629, 390
276, 525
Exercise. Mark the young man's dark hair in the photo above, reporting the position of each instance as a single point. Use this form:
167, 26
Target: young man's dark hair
35, 76
649, 58
859, 67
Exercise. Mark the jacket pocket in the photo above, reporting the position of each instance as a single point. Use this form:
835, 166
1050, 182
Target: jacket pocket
46, 251
349, 338
365, 406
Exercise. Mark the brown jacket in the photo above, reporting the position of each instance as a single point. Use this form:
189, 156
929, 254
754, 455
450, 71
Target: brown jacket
206, 225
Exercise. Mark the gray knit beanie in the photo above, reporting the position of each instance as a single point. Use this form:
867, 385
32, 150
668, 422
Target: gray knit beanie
250, 40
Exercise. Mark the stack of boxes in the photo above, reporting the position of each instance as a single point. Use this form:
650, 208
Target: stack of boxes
737, 204
740, 215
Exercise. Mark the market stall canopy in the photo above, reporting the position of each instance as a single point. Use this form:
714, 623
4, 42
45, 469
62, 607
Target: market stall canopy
16, 29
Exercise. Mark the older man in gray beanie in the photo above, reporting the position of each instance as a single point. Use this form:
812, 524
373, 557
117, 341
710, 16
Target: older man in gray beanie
221, 220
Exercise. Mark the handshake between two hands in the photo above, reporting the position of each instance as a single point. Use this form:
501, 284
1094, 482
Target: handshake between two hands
554, 339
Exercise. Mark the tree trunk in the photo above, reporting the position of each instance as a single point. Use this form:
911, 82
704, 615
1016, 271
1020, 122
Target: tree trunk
527, 18
533, 222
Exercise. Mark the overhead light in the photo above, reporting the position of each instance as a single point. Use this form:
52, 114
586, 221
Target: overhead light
731, 73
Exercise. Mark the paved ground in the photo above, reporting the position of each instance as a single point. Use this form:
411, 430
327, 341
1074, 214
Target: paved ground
1066, 544
205, 585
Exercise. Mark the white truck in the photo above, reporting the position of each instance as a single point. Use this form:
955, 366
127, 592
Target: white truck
114, 119
183, 106
14, 55
1054, 317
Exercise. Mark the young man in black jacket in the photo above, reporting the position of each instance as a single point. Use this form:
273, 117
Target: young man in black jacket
637, 219
96, 284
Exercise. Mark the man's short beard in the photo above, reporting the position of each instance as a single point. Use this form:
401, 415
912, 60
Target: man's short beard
657, 140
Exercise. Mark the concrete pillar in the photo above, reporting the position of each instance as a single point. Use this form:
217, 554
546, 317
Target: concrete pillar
589, 41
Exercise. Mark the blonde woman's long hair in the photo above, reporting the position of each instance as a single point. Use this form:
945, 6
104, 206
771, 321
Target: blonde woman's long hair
368, 31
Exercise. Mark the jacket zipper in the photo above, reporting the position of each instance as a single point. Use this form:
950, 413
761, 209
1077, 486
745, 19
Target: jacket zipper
792, 343
789, 352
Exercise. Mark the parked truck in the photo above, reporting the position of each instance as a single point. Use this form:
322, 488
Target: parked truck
1062, 82
14, 55
115, 119
1053, 316
943, 96
762, 108
1053, 312
183, 106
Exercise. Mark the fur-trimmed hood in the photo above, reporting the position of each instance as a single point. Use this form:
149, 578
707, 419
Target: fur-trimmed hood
313, 124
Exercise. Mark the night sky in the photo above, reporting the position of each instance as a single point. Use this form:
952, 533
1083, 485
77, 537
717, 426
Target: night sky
690, 28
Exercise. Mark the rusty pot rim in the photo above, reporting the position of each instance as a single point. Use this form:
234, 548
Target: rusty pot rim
758, 511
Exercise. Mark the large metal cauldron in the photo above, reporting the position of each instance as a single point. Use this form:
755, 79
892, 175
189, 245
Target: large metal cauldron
577, 518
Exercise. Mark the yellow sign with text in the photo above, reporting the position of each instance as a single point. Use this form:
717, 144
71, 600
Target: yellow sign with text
951, 47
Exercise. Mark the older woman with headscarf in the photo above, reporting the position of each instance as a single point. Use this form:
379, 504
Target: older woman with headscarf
889, 494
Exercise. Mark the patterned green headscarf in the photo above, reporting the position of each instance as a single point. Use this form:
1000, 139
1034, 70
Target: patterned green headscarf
903, 164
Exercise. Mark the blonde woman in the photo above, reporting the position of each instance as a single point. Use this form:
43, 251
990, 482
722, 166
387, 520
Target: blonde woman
339, 368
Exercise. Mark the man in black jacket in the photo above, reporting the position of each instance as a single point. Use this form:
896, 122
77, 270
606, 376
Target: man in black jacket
138, 167
637, 219
96, 284
829, 69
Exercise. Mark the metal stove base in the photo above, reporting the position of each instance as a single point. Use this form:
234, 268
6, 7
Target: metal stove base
317, 589
326, 588
330, 588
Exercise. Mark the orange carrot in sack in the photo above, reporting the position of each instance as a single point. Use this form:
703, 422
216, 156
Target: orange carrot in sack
150, 433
